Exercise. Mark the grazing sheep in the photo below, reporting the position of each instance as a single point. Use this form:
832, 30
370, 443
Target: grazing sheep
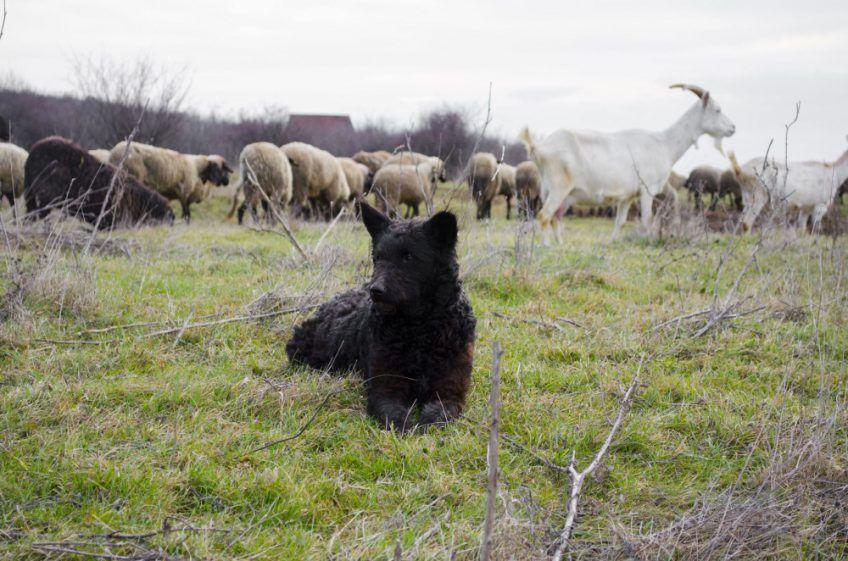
507, 173
704, 180
414, 158
484, 181
264, 169
374, 160
808, 189
318, 181
359, 177
408, 184
12, 161
528, 188
187, 178
101, 154
618, 168
60, 174
729, 186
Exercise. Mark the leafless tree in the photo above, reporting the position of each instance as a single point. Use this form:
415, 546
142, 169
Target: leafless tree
118, 94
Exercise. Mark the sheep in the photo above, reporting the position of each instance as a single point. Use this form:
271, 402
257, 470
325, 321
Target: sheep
264, 168
528, 188
60, 174
318, 180
359, 177
729, 186
12, 161
484, 182
808, 189
374, 160
101, 154
704, 180
187, 178
507, 173
413, 158
617, 168
396, 184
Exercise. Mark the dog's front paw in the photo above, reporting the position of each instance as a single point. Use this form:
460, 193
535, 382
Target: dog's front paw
437, 413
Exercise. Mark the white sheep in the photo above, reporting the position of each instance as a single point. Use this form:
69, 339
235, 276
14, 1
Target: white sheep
12, 161
617, 168
266, 179
374, 160
359, 177
808, 188
396, 184
101, 154
187, 178
318, 181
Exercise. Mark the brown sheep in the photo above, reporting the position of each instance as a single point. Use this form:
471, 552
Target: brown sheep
484, 181
318, 181
265, 169
187, 178
704, 180
528, 188
60, 174
359, 177
374, 160
408, 184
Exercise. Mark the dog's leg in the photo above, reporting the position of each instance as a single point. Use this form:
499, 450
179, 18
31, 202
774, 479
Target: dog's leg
447, 397
390, 397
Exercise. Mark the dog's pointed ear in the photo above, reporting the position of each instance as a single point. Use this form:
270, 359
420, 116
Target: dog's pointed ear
375, 221
442, 229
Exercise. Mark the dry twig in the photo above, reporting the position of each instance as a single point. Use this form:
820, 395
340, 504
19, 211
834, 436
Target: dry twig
492, 454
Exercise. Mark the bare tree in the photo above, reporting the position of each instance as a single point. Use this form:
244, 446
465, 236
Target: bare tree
118, 94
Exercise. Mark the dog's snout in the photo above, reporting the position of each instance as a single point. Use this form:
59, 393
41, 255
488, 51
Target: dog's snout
377, 292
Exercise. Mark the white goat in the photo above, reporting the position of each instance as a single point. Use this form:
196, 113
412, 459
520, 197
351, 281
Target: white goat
616, 168
808, 188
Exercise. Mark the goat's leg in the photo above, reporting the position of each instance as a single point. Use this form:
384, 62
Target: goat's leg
620, 216
553, 202
647, 209
818, 214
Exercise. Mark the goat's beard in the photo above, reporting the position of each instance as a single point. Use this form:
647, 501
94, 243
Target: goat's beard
718, 146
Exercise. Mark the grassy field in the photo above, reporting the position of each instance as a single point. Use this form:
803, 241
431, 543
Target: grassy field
125, 431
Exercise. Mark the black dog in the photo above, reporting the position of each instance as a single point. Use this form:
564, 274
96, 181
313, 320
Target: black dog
410, 330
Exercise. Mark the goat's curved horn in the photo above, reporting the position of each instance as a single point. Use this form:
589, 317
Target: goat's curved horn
697, 90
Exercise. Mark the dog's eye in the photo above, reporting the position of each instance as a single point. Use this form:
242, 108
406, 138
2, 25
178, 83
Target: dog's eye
406, 256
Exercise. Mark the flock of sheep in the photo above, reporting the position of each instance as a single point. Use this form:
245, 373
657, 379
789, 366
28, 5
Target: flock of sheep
567, 168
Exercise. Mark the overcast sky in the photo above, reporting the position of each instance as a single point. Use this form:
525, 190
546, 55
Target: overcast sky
553, 64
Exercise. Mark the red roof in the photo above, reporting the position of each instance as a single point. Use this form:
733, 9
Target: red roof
306, 124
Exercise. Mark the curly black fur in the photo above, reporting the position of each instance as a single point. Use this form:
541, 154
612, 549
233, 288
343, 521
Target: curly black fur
409, 330
60, 174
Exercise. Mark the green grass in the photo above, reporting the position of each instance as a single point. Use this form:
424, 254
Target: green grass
119, 436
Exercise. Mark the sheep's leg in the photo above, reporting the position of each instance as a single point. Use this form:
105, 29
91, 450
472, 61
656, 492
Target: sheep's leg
186, 211
698, 203
240, 212
508, 206
415, 210
621, 212
647, 209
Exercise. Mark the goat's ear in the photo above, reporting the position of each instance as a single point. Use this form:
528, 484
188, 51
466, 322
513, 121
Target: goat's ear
706, 98
442, 229
375, 221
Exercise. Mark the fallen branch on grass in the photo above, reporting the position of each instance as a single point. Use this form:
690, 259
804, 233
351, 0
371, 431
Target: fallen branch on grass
579, 477
182, 328
540, 322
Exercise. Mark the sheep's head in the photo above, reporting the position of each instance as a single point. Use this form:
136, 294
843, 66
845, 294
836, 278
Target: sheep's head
713, 121
438, 168
216, 172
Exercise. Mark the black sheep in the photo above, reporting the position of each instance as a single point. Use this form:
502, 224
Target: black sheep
60, 174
